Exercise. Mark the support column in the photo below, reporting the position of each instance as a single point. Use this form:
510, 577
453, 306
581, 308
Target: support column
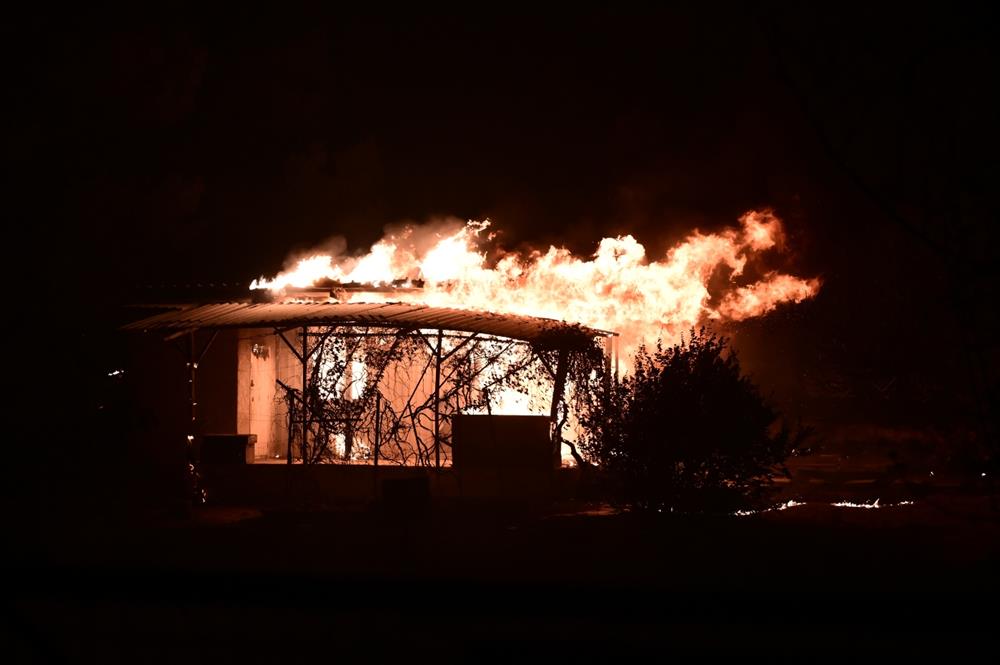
348, 395
305, 383
616, 343
437, 402
378, 426
378, 442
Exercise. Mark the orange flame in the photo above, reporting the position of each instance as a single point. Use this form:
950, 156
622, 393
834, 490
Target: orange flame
618, 288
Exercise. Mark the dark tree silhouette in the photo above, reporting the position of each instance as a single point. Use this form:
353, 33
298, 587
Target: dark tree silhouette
686, 431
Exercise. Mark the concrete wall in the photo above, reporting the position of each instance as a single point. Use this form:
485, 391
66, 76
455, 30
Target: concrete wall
262, 359
279, 485
500, 441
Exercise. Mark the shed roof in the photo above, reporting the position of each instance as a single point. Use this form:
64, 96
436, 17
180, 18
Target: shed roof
548, 332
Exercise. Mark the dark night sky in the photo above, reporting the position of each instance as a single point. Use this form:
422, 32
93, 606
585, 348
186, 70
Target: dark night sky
200, 147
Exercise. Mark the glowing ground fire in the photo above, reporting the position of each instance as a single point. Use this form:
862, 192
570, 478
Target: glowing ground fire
618, 288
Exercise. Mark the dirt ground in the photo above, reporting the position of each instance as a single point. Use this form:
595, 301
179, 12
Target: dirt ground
464, 582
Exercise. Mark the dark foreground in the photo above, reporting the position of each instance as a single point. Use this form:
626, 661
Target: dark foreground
476, 583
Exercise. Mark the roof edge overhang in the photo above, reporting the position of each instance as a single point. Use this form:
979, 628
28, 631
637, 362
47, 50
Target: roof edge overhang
544, 332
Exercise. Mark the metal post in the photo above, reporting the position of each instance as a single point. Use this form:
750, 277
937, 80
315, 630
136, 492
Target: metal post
437, 402
348, 390
378, 424
616, 345
378, 442
305, 411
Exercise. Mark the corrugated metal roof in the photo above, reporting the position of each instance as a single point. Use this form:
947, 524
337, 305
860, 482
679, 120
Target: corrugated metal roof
392, 315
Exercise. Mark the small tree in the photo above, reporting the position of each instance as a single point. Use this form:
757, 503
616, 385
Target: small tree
686, 430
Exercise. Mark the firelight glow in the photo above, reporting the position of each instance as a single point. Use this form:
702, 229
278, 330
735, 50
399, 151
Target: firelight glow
618, 288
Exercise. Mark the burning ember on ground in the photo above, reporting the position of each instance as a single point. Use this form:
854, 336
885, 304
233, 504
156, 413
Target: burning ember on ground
791, 503
618, 288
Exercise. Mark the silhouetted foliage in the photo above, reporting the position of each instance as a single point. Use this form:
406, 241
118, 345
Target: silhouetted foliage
685, 430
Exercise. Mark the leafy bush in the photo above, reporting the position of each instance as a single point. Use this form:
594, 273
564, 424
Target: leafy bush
685, 430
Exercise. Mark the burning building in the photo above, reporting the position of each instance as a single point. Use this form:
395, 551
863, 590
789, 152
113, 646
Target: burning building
426, 353
325, 381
